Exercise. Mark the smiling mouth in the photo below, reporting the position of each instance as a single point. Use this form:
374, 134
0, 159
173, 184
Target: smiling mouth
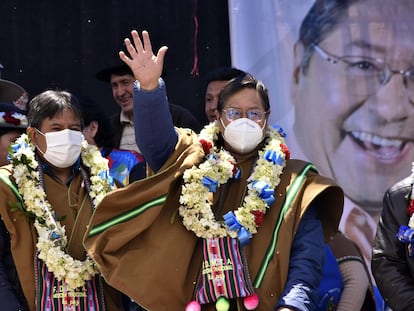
386, 149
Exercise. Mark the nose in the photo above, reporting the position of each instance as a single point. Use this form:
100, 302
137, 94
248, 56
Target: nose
118, 91
392, 102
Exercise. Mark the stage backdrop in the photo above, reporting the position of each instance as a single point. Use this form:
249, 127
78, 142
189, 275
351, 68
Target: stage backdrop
62, 44
336, 107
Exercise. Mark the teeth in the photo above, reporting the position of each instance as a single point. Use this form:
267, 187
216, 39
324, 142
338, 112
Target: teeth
377, 140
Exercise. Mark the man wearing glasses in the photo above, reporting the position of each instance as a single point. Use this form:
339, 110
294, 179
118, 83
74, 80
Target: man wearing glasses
353, 90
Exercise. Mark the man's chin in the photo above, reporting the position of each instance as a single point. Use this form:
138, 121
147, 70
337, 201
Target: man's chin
372, 206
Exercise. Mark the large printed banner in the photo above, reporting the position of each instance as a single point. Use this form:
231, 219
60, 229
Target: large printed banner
340, 88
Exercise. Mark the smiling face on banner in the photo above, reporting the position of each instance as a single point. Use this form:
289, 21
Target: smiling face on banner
354, 99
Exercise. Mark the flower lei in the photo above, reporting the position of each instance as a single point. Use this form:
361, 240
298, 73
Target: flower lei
13, 118
52, 239
216, 170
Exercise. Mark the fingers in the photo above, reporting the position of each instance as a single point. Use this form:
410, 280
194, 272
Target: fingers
137, 47
147, 41
124, 58
140, 47
130, 48
161, 54
137, 41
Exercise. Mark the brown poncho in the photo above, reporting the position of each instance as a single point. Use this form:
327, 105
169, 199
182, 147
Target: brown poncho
143, 249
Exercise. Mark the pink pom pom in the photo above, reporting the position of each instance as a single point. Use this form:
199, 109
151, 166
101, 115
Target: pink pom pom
251, 302
193, 306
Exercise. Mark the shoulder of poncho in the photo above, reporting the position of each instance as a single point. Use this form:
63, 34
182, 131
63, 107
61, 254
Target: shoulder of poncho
6, 170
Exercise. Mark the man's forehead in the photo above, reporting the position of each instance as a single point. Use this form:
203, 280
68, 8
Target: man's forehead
381, 11
65, 117
376, 28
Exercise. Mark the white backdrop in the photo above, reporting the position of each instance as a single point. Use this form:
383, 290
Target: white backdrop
262, 35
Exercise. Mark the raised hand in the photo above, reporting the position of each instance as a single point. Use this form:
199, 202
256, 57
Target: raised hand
146, 66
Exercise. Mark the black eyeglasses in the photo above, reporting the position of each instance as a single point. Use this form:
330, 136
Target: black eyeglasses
254, 114
366, 75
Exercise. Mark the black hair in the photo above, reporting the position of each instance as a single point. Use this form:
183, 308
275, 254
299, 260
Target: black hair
246, 81
49, 103
93, 111
119, 70
5, 130
223, 74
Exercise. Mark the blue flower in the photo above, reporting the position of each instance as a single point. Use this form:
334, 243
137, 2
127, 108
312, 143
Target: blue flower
211, 184
280, 130
274, 157
264, 192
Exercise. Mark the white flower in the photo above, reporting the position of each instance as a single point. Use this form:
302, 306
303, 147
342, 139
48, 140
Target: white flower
195, 207
52, 239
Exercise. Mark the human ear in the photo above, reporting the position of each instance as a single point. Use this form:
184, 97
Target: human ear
90, 131
217, 113
219, 121
93, 128
298, 52
37, 138
32, 133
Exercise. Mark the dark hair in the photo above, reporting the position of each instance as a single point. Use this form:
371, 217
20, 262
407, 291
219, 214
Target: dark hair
5, 130
322, 18
93, 111
118, 70
222, 74
49, 103
239, 83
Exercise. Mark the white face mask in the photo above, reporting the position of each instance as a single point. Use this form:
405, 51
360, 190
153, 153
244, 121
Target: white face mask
63, 148
243, 134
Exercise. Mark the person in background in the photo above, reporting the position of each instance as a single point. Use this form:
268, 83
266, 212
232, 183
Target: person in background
270, 246
13, 111
215, 80
122, 81
98, 131
47, 196
353, 103
345, 282
393, 250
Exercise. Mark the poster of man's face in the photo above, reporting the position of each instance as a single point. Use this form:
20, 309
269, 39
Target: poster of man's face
340, 78
354, 77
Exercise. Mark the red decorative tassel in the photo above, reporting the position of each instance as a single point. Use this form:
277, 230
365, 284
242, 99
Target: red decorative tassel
251, 302
193, 306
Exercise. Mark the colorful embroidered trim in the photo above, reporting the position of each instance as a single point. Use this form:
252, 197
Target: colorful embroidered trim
99, 228
223, 272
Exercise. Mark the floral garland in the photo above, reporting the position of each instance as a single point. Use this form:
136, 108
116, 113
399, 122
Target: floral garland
52, 239
216, 170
